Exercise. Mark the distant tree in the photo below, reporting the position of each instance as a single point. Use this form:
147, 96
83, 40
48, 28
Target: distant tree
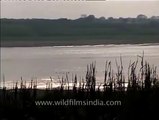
91, 17
141, 16
155, 17
110, 18
102, 18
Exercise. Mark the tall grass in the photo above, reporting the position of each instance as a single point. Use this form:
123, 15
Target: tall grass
114, 86
144, 78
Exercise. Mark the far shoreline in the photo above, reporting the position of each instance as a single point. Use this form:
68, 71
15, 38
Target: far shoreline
74, 45
45, 42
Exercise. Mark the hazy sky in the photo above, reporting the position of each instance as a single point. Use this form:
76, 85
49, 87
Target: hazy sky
72, 10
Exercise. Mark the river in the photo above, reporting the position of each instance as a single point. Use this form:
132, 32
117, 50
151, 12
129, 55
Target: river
43, 62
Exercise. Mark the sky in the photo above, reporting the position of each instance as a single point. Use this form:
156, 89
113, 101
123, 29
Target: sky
74, 9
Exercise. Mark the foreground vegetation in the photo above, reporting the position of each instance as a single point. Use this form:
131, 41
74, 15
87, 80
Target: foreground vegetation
138, 95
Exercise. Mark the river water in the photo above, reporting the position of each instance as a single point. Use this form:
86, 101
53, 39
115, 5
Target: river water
43, 62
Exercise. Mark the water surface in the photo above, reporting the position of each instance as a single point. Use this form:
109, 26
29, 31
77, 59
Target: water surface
43, 62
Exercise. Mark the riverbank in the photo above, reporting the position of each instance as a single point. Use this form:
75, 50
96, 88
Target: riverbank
49, 41
82, 31
34, 104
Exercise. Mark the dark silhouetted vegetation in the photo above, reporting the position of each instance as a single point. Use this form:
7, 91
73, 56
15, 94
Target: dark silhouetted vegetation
138, 94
